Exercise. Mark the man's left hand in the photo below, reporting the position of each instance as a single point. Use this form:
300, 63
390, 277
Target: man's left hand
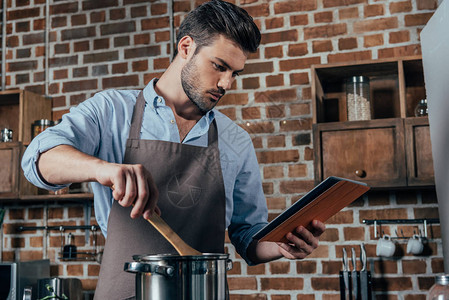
302, 241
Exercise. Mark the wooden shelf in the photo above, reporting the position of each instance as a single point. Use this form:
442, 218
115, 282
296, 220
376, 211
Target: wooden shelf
57, 198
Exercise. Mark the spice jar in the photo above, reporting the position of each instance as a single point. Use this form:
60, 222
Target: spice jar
440, 290
40, 125
357, 98
421, 108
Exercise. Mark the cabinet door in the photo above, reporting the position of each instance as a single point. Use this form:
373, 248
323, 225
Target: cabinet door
9, 162
368, 151
418, 150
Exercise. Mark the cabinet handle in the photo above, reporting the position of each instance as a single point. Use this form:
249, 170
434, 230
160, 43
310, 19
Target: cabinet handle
360, 173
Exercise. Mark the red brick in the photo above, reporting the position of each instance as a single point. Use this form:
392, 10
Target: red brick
275, 51
275, 80
394, 283
292, 6
234, 99
23, 13
373, 40
324, 31
94, 4
82, 85
278, 156
182, 6
295, 186
275, 111
101, 44
373, 10
115, 28
251, 296
299, 78
98, 17
120, 81
273, 23
276, 142
408, 50
297, 49
300, 109
322, 46
100, 57
295, 125
325, 283
138, 11
258, 127
81, 46
273, 172
354, 233
427, 4
347, 43
279, 36
158, 9
256, 11
242, 283
398, 7
299, 63
142, 39
298, 20
250, 83
352, 56
297, 170
78, 20
162, 36
414, 266
342, 217
117, 14
323, 17
279, 267
250, 113
348, 13
399, 37
375, 24
281, 283
78, 33
417, 19
275, 96
155, 23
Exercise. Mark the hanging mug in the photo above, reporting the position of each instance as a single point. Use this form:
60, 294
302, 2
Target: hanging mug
6, 135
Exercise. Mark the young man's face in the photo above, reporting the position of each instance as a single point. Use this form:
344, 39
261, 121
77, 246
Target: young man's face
209, 73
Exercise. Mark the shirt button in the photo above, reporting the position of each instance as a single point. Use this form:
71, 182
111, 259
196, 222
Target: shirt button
172, 121
159, 100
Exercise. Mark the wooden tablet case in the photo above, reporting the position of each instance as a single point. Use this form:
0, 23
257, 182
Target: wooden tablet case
323, 203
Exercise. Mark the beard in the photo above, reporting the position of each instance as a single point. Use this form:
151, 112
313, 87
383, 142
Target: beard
191, 83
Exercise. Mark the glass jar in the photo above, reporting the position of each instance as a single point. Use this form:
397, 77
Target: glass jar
40, 125
421, 108
358, 103
440, 290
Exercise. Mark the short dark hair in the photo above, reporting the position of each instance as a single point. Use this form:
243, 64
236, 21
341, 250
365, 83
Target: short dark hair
217, 17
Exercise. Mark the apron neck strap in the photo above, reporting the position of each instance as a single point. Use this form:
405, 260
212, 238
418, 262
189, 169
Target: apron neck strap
136, 122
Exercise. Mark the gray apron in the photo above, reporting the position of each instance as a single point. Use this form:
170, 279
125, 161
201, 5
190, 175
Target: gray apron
191, 198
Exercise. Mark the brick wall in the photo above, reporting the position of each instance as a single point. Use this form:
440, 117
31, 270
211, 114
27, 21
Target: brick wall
96, 45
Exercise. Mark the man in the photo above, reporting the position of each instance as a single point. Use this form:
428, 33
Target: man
165, 150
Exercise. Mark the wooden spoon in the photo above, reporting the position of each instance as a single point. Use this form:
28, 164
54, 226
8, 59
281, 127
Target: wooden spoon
171, 236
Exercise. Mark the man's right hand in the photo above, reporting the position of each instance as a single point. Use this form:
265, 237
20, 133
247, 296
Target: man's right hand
133, 185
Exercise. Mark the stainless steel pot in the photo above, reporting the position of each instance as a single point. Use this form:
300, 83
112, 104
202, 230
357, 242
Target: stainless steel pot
199, 277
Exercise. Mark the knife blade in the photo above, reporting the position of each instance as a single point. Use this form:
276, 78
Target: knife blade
364, 276
346, 275
355, 285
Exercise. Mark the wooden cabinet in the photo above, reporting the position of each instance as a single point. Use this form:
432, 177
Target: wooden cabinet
393, 148
18, 110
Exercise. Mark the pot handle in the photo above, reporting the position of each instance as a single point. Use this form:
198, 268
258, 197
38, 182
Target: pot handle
137, 267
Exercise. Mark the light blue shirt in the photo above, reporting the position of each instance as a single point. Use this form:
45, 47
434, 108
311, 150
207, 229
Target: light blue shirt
100, 126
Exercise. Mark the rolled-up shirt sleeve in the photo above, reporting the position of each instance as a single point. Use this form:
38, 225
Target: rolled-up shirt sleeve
81, 129
250, 211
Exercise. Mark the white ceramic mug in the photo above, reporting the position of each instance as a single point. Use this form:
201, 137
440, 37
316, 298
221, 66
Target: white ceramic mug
385, 246
415, 245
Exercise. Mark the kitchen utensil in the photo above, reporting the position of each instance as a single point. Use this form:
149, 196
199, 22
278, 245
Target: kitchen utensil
365, 282
346, 292
52, 288
170, 235
354, 277
201, 277
415, 245
385, 246
69, 250
6, 135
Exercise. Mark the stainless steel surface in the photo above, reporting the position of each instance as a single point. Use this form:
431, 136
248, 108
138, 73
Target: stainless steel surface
6, 135
354, 277
180, 277
60, 287
346, 275
364, 276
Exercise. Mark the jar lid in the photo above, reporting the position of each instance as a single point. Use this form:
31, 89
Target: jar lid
442, 279
357, 79
43, 122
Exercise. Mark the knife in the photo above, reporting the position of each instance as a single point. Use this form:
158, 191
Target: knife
364, 276
346, 275
355, 285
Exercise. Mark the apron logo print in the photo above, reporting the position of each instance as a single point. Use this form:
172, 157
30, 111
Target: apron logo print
181, 193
